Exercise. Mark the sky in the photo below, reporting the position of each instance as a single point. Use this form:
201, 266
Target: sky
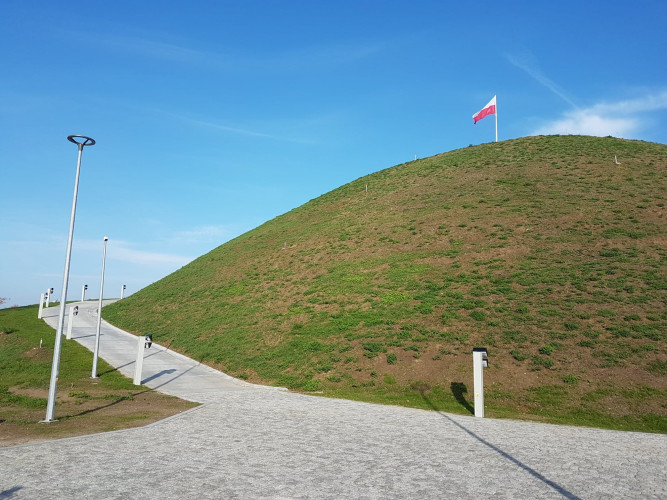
213, 117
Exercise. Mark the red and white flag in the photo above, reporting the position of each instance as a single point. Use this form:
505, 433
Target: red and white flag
489, 109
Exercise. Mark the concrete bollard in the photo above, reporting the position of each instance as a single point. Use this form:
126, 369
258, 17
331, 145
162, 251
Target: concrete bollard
139, 365
73, 311
480, 361
41, 306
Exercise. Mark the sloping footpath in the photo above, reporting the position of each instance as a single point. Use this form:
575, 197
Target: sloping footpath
163, 369
250, 442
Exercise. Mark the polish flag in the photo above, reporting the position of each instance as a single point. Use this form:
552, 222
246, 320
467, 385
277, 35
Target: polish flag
489, 109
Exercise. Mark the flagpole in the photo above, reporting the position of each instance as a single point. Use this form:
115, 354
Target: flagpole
496, 117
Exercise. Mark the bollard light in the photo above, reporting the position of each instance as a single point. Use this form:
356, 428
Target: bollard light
41, 305
144, 343
73, 311
480, 360
80, 141
139, 365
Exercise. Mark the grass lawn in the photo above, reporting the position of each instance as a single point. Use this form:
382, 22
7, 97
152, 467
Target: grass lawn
83, 405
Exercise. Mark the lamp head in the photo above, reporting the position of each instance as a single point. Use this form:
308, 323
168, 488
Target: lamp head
81, 140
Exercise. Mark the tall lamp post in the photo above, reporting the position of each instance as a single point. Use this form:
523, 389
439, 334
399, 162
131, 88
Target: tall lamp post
80, 141
99, 312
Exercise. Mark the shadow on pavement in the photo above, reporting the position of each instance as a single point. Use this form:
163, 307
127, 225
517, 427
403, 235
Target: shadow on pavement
129, 363
174, 378
85, 336
529, 470
158, 374
10, 492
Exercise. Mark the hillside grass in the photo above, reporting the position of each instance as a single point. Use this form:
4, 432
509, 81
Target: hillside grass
541, 249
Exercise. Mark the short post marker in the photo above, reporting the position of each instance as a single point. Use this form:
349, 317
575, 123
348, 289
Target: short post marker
144, 343
480, 360
73, 311
140, 360
41, 306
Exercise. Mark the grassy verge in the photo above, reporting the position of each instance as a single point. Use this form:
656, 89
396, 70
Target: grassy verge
456, 398
83, 405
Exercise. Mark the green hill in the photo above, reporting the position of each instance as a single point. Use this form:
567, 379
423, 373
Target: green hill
542, 249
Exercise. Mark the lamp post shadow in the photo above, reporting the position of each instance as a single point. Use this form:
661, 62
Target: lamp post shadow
458, 390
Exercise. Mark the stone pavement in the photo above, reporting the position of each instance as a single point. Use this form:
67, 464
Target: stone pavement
249, 442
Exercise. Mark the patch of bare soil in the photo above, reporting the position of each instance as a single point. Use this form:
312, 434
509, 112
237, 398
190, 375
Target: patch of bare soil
79, 413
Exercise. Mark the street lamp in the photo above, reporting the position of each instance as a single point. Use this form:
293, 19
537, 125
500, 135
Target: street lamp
80, 141
99, 312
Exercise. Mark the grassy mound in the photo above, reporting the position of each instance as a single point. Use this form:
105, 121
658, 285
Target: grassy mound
542, 249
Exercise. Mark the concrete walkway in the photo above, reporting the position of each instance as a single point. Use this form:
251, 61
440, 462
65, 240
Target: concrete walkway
250, 442
166, 370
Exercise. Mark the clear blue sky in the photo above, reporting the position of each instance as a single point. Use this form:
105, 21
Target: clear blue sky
214, 117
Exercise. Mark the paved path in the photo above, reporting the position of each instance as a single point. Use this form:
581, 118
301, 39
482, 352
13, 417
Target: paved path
166, 370
249, 442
